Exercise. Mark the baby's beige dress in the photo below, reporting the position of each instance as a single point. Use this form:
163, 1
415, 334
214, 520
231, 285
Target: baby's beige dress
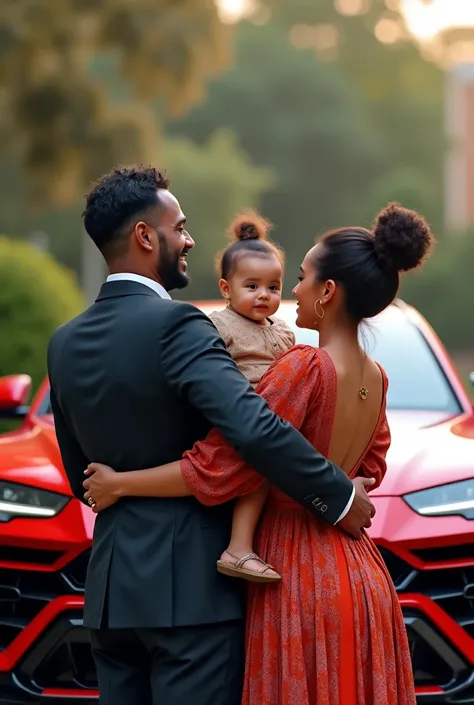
253, 347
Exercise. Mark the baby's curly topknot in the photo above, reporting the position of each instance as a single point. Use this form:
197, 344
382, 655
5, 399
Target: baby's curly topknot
249, 225
402, 238
248, 234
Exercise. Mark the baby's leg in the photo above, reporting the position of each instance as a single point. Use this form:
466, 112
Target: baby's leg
246, 515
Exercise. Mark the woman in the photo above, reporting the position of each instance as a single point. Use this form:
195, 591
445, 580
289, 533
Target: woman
331, 632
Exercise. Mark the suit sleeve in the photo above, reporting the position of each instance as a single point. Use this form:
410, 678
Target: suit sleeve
196, 365
214, 470
74, 460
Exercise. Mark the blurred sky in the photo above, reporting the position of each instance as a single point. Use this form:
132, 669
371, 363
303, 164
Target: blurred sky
425, 18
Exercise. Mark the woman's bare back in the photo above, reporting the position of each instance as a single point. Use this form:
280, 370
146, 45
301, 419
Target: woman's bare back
356, 415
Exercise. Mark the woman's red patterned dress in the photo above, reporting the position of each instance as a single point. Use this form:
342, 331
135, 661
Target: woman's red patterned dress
331, 632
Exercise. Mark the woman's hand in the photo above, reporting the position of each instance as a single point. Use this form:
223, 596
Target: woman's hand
102, 486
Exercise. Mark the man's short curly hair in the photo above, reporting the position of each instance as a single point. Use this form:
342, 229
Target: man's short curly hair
119, 198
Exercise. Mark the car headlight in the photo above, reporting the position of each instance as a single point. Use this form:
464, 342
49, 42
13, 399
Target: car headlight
456, 498
22, 500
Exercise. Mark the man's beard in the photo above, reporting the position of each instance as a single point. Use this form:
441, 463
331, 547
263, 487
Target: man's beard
168, 268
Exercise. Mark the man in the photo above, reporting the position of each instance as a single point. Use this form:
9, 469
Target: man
135, 380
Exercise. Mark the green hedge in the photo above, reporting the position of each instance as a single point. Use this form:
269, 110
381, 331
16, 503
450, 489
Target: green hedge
36, 296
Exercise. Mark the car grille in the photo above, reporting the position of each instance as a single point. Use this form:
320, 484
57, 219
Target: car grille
75, 571
436, 662
24, 593
464, 551
61, 658
429, 666
450, 588
400, 571
18, 554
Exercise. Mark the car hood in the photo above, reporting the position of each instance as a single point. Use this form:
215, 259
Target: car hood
31, 456
428, 448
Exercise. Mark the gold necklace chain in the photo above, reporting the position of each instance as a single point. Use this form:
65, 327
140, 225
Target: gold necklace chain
363, 394
363, 391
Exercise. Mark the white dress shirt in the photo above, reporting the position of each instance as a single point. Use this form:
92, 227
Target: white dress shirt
151, 283
161, 291
348, 506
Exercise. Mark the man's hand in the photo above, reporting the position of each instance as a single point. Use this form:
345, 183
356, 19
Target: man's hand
362, 510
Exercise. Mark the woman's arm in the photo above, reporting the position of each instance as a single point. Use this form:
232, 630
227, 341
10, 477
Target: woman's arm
195, 366
213, 471
374, 464
105, 486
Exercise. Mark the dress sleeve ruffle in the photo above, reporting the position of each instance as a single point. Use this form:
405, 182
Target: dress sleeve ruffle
213, 469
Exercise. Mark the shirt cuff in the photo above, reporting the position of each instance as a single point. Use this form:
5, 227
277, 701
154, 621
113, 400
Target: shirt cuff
348, 506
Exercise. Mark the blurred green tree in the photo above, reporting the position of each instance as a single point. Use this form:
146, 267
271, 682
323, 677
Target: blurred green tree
213, 182
407, 186
443, 291
367, 41
337, 113
37, 295
301, 118
62, 119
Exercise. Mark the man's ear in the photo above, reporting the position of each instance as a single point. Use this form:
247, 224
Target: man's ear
224, 289
143, 235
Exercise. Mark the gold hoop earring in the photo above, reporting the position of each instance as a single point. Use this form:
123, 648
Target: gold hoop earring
320, 315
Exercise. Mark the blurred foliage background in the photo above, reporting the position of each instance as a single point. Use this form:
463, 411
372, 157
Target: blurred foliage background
37, 295
318, 112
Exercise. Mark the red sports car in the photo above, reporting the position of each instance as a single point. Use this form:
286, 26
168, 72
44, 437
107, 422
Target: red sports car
424, 526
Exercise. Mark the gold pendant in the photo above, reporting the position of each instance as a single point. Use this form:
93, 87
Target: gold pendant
363, 393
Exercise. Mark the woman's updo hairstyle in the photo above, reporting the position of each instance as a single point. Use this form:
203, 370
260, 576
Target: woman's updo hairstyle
248, 234
367, 264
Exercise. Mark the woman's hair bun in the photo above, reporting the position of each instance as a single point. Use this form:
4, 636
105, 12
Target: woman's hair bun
402, 238
249, 225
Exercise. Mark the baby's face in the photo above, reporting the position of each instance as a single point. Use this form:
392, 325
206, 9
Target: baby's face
254, 288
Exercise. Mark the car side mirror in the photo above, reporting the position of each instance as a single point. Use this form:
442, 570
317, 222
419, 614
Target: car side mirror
471, 377
14, 394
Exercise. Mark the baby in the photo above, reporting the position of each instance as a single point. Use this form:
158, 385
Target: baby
250, 274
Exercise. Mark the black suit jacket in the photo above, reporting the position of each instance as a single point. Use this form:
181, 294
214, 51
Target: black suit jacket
135, 381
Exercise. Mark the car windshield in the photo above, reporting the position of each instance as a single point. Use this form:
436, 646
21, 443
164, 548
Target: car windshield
417, 381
